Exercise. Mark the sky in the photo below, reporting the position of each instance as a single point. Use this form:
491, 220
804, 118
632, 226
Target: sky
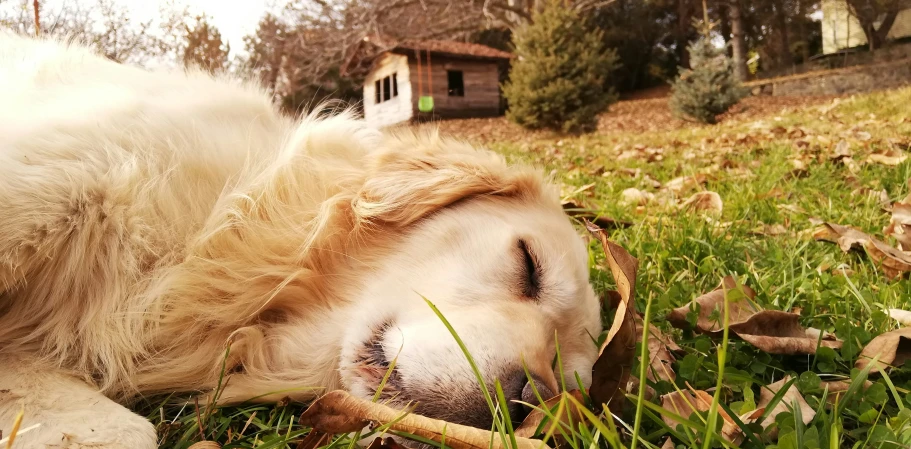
233, 18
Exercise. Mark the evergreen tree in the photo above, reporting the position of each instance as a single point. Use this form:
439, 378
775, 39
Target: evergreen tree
710, 87
560, 78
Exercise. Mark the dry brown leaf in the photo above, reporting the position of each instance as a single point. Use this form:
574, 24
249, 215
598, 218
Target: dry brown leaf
842, 151
888, 157
837, 387
900, 225
773, 331
339, 412
779, 332
382, 443
685, 183
709, 202
902, 316
661, 358
611, 371
739, 311
892, 261
576, 209
668, 444
786, 404
770, 230
570, 416
316, 439
891, 349
205, 445
686, 402
636, 197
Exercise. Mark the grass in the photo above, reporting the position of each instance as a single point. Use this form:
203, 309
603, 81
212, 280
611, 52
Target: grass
683, 255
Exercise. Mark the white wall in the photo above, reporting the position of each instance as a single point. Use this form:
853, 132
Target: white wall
841, 30
397, 109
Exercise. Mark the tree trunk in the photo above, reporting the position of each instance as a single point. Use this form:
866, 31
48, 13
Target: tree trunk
877, 37
685, 13
784, 42
738, 44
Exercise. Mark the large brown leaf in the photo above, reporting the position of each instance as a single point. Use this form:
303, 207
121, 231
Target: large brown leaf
569, 418
685, 402
900, 225
891, 349
893, 262
712, 303
611, 371
661, 357
786, 404
772, 331
339, 412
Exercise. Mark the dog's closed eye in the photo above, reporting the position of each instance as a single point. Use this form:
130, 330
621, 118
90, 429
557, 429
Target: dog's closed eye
531, 273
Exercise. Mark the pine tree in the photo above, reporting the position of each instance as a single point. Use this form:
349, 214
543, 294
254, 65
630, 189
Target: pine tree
710, 87
559, 80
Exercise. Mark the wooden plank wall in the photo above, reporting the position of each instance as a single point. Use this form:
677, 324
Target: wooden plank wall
481, 80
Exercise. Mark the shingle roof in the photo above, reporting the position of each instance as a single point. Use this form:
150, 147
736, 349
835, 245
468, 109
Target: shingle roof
452, 48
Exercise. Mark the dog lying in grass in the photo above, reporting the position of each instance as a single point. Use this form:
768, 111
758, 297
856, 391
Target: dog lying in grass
158, 230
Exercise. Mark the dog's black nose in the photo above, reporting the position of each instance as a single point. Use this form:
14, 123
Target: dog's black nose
523, 390
528, 391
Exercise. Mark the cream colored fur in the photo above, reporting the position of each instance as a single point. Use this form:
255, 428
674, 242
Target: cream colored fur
150, 221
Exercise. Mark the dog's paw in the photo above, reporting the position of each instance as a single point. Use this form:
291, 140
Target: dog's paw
123, 431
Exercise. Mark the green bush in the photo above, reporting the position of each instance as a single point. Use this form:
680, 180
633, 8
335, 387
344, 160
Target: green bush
559, 80
709, 88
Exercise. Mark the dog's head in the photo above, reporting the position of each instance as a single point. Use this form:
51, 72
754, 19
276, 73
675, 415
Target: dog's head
487, 244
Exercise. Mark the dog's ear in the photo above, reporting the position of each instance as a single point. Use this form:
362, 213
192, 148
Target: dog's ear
411, 177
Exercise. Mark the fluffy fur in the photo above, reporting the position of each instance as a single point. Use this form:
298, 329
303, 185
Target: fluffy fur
150, 221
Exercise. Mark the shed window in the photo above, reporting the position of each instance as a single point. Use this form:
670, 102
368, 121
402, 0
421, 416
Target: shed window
456, 83
386, 88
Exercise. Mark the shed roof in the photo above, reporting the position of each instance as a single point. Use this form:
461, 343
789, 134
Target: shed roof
451, 48
365, 52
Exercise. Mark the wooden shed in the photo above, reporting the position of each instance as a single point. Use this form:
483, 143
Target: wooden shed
463, 80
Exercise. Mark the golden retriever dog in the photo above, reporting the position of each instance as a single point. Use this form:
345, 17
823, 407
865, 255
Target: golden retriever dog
157, 226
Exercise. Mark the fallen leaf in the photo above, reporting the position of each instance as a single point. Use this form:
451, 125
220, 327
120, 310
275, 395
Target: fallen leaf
893, 262
892, 349
315, 439
900, 225
636, 197
687, 402
842, 150
685, 183
382, 443
779, 332
837, 387
611, 371
786, 404
902, 316
574, 209
339, 412
772, 331
888, 157
661, 359
709, 202
711, 305
568, 418
668, 444
770, 230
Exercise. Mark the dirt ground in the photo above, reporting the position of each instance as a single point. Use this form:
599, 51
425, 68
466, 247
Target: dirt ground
631, 115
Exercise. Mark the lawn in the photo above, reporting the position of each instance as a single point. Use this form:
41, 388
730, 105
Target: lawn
779, 173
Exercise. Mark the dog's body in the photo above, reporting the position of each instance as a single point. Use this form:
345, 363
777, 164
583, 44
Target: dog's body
149, 221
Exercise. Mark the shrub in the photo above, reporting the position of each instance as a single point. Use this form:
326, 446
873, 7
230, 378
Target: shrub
709, 88
559, 80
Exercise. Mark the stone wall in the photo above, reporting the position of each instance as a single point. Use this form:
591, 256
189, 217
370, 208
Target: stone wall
837, 82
